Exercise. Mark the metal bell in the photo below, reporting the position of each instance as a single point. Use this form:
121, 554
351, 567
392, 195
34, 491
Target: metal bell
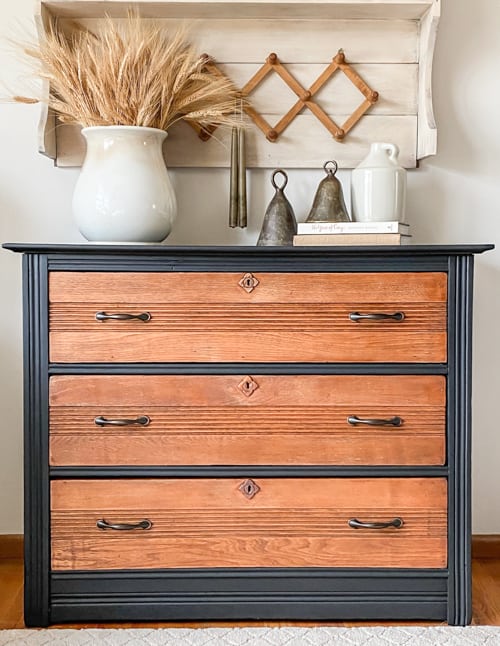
329, 205
279, 224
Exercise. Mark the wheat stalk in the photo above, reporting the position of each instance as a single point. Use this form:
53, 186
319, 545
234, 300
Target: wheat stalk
130, 73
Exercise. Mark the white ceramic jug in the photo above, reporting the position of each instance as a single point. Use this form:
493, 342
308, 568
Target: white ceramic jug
124, 193
378, 186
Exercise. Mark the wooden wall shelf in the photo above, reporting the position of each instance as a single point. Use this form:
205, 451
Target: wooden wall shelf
390, 44
248, 9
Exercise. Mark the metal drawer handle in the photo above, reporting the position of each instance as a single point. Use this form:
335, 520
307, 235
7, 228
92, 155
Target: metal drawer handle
358, 524
394, 421
121, 527
140, 421
356, 316
102, 316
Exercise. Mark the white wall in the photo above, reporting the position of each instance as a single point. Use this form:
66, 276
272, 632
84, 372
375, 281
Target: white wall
453, 197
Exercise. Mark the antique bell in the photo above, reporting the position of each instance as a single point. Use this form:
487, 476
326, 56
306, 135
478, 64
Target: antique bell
329, 205
279, 224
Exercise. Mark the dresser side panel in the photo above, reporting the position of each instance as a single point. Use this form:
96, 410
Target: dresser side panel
36, 432
459, 439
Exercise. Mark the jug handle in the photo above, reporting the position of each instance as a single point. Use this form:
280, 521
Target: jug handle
392, 151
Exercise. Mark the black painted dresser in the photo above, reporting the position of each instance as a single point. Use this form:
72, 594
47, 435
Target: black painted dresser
247, 433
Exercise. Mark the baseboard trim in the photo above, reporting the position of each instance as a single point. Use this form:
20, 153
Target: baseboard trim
484, 546
11, 546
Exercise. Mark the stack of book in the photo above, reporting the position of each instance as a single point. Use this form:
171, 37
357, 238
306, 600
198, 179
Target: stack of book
351, 233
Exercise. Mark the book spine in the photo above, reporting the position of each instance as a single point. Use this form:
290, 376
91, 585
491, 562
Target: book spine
314, 228
351, 239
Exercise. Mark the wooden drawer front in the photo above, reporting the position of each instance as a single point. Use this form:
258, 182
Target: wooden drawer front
286, 317
212, 523
247, 419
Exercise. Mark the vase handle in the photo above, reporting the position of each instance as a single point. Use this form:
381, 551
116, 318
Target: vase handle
392, 151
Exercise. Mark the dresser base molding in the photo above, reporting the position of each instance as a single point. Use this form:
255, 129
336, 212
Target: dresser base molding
486, 546
192, 595
11, 546
301, 609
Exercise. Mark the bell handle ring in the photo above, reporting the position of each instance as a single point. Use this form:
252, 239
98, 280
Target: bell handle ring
285, 181
329, 171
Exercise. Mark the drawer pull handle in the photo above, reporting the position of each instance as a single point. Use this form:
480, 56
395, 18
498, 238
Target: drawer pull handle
358, 524
102, 316
356, 317
394, 421
124, 527
139, 421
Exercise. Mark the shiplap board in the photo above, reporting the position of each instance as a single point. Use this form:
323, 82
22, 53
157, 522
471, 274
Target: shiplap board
309, 41
305, 144
303, 9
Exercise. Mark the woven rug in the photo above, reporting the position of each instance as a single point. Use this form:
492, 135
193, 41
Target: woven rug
322, 636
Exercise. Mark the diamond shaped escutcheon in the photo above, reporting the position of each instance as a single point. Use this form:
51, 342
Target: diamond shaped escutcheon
249, 488
248, 386
248, 282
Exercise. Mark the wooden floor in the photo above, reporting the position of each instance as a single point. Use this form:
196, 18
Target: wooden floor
485, 581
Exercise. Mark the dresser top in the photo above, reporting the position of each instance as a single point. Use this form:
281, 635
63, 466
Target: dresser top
243, 252
145, 257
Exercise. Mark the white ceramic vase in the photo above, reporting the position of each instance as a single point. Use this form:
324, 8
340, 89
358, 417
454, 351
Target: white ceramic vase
378, 186
124, 193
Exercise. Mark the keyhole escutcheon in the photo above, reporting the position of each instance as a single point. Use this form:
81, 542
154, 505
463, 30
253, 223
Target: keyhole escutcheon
249, 282
248, 386
249, 488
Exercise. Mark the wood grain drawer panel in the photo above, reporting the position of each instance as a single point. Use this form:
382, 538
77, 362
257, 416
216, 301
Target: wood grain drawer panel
210, 523
208, 420
223, 287
205, 317
294, 446
224, 390
289, 347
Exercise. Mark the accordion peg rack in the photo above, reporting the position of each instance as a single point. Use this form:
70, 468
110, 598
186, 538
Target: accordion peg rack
304, 98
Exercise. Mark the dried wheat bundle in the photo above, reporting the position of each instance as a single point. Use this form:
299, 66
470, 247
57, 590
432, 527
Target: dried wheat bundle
131, 73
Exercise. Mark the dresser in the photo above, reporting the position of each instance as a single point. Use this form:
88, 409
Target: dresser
242, 433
